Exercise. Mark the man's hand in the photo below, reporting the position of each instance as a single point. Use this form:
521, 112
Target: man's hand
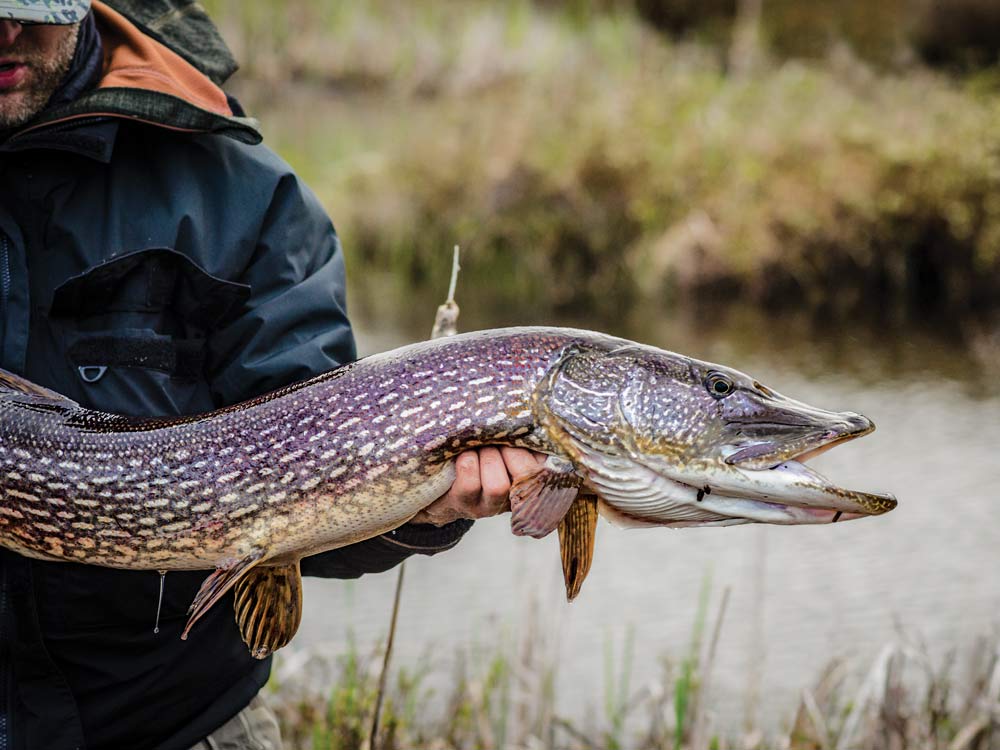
482, 481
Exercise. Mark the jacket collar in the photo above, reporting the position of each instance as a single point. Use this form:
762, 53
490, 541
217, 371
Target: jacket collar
143, 80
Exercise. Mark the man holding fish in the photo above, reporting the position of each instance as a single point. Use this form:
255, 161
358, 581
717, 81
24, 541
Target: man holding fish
159, 272
155, 261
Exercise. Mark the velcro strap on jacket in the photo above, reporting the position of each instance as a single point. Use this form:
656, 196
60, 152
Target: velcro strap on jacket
180, 357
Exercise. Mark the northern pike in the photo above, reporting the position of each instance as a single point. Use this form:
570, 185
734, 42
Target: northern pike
246, 491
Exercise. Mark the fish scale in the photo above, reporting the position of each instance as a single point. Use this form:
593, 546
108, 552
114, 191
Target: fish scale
248, 490
318, 465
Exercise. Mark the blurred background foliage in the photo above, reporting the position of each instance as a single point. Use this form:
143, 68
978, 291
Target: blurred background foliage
840, 159
715, 176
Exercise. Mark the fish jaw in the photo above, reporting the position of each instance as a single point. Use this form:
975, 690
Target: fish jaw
793, 493
636, 494
640, 486
744, 511
789, 483
787, 493
771, 468
807, 433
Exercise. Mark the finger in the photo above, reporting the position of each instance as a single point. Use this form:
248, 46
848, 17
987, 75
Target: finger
438, 515
521, 462
495, 481
461, 498
467, 486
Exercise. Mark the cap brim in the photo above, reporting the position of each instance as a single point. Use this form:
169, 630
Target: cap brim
57, 13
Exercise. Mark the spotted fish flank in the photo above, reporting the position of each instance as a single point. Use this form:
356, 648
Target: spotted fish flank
360, 450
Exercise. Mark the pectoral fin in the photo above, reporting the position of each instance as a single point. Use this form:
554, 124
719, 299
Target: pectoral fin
269, 607
217, 584
539, 501
576, 543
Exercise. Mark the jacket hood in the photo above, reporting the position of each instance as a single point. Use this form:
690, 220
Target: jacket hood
137, 61
184, 27
146, 80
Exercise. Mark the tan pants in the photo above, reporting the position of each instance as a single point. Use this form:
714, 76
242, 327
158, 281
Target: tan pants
253, 728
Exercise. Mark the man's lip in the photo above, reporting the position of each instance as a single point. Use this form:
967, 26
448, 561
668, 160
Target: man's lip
12, 76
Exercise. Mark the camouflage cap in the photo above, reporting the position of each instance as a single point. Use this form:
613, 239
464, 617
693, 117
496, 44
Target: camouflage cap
44, 11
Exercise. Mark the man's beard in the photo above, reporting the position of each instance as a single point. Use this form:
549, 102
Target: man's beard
46, 71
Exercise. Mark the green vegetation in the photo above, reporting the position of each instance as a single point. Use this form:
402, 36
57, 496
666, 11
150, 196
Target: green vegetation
586, 161
506, 700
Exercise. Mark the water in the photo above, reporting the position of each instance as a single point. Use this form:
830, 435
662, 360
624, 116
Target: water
799, 596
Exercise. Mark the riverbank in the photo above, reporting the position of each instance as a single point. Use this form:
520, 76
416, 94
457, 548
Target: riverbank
600, 166
503, 696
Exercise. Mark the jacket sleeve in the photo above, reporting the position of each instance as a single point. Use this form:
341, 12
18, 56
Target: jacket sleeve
293, 327
381, 553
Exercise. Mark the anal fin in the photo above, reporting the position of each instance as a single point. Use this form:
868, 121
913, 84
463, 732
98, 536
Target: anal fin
269, 607
539, 501
213, 588
577, 532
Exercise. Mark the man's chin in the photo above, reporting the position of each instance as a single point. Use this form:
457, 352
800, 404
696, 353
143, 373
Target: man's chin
18, 108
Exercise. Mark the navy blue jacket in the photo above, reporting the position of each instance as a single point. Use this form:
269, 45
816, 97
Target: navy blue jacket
154, 266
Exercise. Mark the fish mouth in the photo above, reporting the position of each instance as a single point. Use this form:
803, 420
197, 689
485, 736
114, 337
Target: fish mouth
793, 445
757, 483
793, 493
775, 486
788, 494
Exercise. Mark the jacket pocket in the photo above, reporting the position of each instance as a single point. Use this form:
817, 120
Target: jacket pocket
134, 330
72, 597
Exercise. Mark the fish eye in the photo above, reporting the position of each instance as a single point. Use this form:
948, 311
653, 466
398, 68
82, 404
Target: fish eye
719, 385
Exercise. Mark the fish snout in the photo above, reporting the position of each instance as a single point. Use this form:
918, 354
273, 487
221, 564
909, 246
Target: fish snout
858, 424
843, 425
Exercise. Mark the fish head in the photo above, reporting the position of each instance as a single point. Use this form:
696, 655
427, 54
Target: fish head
665, 439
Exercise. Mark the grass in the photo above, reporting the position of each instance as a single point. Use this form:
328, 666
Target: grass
593, 164
504, 699
617, 690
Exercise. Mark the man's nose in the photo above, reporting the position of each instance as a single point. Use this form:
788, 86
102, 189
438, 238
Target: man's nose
9, 31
